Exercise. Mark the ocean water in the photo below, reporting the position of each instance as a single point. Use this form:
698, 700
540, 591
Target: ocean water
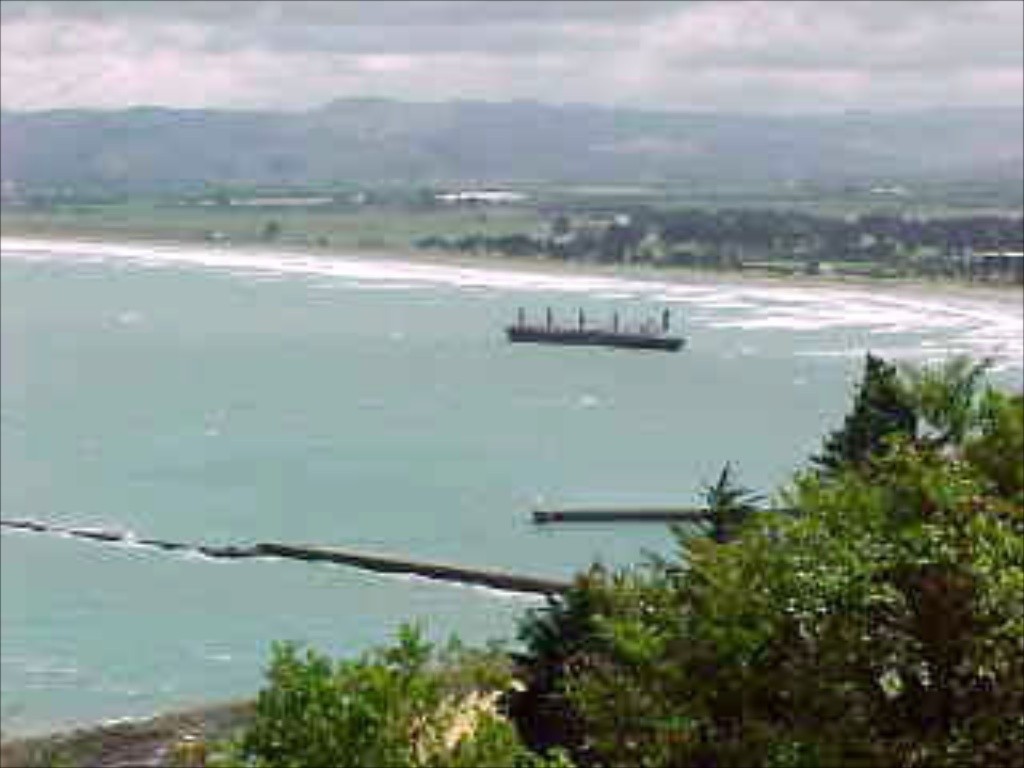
233, 396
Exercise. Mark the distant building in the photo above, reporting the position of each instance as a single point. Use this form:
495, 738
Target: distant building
997, 265
491, 196
266, 202
277, 202
602, 222
896, 191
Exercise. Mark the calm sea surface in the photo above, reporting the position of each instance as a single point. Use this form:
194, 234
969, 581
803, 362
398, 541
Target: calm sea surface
236, 396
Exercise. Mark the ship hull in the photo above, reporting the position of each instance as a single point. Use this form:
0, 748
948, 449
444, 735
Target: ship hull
595, 338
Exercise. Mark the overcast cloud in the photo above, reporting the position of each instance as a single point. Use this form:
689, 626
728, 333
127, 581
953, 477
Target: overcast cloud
752, 56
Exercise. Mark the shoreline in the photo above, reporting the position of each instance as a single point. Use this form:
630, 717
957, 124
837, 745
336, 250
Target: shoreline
1007, 293
131, 742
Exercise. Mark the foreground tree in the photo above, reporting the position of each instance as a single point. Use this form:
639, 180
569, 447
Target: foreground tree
883, 625
729, 506
882, 407
410, 705
948, 398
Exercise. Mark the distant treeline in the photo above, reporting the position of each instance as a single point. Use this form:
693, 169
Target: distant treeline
731, 238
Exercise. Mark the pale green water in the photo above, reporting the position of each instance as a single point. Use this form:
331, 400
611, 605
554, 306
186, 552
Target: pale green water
279, 398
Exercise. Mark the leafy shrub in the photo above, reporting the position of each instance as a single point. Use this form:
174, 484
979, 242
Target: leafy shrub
406, 705
883, 624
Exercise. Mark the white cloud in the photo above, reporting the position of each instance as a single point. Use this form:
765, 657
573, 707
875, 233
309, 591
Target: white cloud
748, 56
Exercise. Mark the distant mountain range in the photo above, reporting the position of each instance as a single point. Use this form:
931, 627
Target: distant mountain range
375, 140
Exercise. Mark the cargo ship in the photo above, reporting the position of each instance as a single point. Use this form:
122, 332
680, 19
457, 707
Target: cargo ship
648, 336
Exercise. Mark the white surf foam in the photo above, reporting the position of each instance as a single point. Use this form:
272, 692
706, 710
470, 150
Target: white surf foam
977, 326
50, 667
129, 317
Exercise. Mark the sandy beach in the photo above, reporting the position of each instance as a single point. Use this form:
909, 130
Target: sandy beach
1010, 295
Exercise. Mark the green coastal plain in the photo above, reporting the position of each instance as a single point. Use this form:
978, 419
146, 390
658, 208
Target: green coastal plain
959, 233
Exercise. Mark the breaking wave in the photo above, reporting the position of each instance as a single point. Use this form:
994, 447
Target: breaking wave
980, 326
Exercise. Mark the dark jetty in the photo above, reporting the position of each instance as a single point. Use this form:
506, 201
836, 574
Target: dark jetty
635, 514
439, 571
622, 515
647, 337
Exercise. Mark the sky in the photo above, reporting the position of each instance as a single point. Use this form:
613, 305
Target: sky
766, 56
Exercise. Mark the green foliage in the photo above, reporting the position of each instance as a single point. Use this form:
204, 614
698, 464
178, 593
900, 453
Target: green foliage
405, 705
572, 696
572, 630
43, 756
996, 449
730, 506
882, 407
940, 405
271, 231
882, 625
947, 397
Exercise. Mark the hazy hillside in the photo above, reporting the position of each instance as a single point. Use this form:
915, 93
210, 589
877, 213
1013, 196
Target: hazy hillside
366, 140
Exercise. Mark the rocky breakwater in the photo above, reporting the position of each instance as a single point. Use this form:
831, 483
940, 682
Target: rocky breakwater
493, 579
